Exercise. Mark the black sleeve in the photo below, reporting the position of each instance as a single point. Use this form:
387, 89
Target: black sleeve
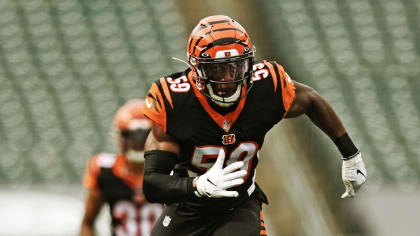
158, 185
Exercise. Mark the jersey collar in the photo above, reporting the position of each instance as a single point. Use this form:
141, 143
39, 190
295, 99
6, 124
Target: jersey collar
225, 122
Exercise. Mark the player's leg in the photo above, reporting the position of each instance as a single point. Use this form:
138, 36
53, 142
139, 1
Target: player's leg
170, 223
245, 220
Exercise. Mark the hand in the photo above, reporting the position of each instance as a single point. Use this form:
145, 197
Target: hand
216, 180
354, 175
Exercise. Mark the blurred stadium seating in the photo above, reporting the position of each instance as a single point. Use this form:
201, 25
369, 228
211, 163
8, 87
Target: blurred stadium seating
363, 58
65, 68
67, 65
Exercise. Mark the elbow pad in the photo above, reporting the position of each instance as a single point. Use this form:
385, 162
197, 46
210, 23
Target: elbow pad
158, 185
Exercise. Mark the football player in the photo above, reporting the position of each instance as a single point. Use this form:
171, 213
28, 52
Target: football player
209, 122
117, 179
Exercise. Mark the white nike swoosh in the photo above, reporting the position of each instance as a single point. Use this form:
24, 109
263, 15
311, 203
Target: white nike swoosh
148, 104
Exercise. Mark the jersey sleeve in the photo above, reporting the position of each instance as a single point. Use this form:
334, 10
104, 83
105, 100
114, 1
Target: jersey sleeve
282, 84
155, 103
90, 179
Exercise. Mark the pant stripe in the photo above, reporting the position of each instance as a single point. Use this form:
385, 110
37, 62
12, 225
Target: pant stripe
263, 232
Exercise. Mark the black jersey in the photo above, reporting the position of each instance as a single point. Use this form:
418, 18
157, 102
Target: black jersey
176, 105
131, 214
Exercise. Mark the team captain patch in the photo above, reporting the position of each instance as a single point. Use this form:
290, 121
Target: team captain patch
228, 139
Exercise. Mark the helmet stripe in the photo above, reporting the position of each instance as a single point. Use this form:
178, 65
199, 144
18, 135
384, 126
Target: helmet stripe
209, 23
223, 41
211, 31
218, 22
206, 25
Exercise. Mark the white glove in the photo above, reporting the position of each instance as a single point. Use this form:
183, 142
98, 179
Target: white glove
216, 180
354, 175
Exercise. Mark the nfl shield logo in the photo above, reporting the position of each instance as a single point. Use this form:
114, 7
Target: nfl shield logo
226, 125
166, 221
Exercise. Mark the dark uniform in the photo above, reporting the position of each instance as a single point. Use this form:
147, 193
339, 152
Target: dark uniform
175, 105
131, 214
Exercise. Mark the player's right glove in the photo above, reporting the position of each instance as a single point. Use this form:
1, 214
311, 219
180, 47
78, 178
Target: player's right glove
215, 182
354, 175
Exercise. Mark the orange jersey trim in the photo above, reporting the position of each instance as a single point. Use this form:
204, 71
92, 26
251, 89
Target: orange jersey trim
273, 74
90, 179
120, 170
218, 118
166, 91
154, 107
287, 88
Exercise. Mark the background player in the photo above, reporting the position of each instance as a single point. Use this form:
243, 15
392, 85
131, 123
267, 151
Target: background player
117, 179
209, 123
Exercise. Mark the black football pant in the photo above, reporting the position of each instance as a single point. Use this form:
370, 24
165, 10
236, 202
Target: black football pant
245, 220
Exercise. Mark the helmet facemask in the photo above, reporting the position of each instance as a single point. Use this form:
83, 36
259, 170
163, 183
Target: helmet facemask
132, 142
222, 80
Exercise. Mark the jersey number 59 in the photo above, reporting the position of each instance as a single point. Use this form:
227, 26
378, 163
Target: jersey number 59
179, 85
204, 157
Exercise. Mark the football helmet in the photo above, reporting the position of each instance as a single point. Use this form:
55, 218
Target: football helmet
221, 56
132, 129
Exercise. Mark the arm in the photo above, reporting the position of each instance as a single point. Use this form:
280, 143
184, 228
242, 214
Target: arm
159, 140
161, 155
308, 101
94, 203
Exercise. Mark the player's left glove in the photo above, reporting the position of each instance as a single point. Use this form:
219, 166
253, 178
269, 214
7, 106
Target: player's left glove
354, 175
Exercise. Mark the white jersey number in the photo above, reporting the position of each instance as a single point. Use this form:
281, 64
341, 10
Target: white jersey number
243, 152
259, 72
179, 85
135, 221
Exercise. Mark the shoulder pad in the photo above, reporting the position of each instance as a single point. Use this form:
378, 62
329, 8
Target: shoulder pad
277, 79
272, 71
161, 97
93, 169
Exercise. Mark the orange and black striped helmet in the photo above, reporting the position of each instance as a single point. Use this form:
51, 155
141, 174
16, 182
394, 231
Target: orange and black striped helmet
221, 55
131, 129
130, 117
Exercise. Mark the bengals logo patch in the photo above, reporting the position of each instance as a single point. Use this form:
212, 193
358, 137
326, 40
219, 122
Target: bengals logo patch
228, 139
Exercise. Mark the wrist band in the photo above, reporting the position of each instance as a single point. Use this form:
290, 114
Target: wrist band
346, 146
350, 157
